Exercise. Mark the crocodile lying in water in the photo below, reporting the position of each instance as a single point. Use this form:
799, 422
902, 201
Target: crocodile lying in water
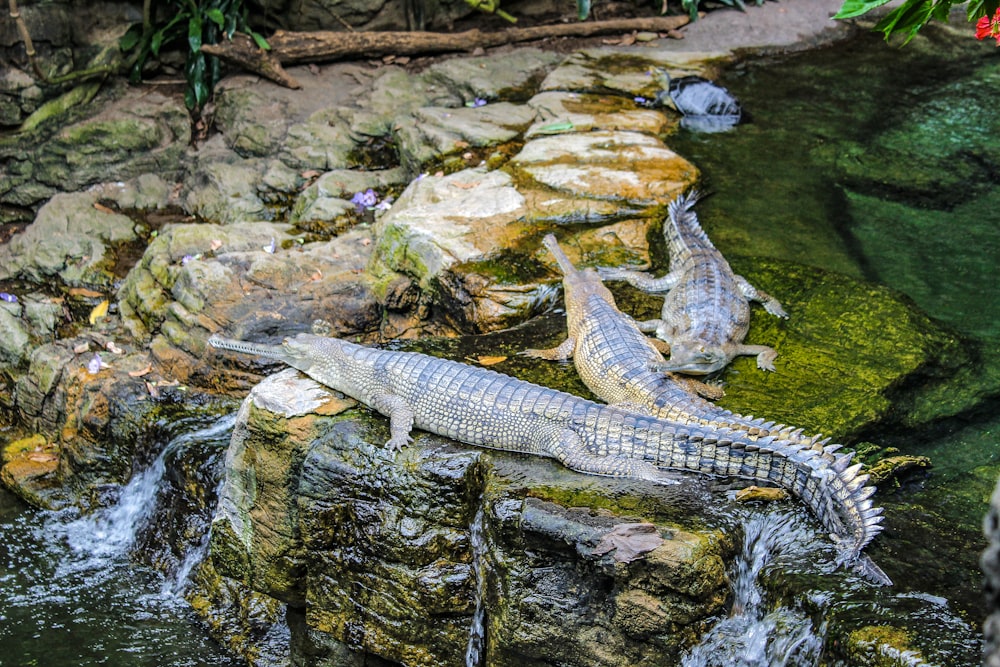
706, 310
616, 360
481, 407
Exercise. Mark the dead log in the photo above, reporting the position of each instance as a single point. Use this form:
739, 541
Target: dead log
301, 47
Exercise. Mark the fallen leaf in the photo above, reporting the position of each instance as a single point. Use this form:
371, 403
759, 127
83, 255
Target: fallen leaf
768, 493
99, 311
80, 348
102, 208
215, 245
629, 541
366, 242
153, 391
465, 186
42, 457
142, 371
402, 60
316, 276
490, 360
461, 144
84, 292
112, 347
310, 173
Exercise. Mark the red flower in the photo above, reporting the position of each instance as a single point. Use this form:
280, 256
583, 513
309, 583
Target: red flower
989, 27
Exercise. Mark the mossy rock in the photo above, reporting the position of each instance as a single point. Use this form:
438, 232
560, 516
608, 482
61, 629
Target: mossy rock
848, 351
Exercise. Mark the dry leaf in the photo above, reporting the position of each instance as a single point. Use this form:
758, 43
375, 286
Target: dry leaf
629, 541
80, 348
461, 144
489, 360
102, 208
769, 493
465, 186
153, 391
215, 245
84, 292
316, 276
42, 457
142, 371
99, 311
112, 347
310, 173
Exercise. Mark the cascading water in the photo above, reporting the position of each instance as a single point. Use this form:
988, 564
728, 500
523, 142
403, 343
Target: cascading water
71, 579
754, 635
477, 632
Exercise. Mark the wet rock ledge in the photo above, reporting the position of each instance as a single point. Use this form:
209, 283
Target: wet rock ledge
421, 557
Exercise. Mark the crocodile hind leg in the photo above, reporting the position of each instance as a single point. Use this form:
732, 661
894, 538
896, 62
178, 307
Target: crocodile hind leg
765, 355
770, 304
400, 416
568, 448
561, 352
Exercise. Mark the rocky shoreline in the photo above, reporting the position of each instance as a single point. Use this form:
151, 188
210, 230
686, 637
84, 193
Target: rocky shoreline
391, 203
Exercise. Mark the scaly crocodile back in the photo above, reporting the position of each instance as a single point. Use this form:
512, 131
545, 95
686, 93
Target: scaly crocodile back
481, 407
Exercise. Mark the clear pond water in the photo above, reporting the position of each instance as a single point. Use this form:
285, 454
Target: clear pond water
862, 159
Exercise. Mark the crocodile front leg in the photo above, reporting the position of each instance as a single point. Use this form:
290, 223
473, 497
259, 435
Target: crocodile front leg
765, 355
562, 352
641, 280
770, 304
400, 416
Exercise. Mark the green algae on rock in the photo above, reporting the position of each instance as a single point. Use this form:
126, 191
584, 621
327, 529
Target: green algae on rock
833, 376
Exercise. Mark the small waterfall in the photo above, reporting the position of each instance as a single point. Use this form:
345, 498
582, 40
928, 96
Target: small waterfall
477, 632
752, 635
112, 531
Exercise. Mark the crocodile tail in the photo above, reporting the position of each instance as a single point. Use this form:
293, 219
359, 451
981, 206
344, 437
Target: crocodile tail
682, 226
565, 265
835, 492
257, 349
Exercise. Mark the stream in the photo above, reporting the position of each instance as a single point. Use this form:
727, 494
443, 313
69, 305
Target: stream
828, 167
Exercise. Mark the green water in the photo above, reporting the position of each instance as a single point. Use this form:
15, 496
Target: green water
874, 162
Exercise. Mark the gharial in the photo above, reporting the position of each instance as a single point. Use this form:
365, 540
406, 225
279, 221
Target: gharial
481, 407
706, 310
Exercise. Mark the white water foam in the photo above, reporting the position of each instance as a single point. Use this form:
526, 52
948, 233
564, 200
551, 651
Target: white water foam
753, 635
477, 632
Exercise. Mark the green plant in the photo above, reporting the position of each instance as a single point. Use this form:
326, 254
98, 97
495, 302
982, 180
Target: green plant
912, 15
191, 23
691, 6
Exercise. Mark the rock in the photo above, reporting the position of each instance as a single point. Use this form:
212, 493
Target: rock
70, 238
619, 171
435, 132
328, 199
14, 342
587, 112
384, 551
126, 138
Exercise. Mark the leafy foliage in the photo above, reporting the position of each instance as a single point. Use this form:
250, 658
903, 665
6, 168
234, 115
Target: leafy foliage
912, 15
191, 24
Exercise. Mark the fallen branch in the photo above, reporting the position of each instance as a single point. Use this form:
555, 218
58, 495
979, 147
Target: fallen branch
300, 47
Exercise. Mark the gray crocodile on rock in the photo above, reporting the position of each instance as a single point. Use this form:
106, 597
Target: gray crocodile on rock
706, 310
481, 407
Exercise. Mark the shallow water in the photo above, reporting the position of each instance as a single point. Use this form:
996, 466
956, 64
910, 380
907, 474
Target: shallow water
71, 594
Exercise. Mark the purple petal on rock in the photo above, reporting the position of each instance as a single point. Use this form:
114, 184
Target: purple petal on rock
95, 364
9, 298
